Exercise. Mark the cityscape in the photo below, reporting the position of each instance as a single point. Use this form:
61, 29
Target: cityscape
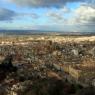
47, 47
40, 65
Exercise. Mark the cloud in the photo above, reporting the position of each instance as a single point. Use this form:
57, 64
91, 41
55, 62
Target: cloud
84, 15
42, 3
6, 15
32, 15
80, 19
9, 15
57, 16
54, 16
83, 18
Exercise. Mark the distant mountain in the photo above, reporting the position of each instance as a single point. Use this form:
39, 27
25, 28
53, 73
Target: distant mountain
42, 32
21, 32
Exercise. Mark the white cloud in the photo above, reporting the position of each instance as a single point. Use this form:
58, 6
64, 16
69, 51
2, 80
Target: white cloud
80, 19
82, 15
32, 15
85, 14
54, 16
57, 16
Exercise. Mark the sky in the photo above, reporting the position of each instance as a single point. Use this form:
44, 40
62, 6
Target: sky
50, 15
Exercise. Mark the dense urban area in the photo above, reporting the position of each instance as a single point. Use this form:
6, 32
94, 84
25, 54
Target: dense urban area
47, 65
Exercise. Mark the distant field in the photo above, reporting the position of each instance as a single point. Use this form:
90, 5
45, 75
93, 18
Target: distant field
56, 38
